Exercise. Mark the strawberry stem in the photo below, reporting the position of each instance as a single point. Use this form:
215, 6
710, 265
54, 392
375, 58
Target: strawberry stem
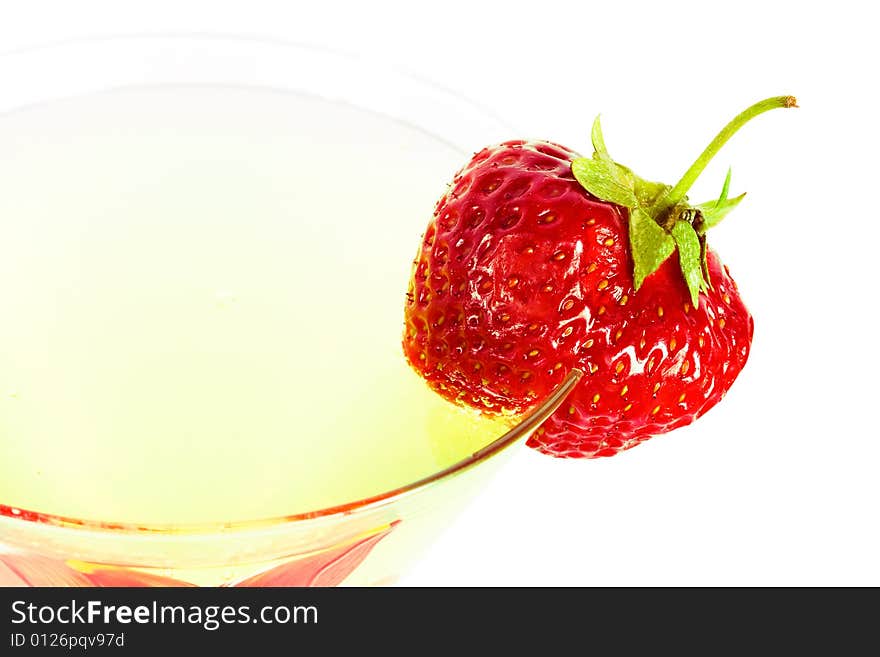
676, 195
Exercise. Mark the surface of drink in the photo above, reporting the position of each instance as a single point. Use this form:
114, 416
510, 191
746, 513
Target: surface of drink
201, 300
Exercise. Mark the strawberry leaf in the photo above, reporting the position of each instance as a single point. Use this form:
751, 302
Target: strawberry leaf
714, 211
688, 243
725, 187
602, 179
599, 149
649, 192
649, 243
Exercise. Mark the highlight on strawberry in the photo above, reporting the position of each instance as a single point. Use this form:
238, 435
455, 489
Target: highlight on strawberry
537, 261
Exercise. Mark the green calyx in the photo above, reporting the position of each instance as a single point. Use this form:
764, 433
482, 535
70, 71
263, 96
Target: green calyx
661, 220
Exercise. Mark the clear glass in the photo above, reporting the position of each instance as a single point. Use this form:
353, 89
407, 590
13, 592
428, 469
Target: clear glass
365, 541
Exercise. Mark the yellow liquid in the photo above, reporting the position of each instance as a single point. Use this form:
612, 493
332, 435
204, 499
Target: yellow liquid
201, 298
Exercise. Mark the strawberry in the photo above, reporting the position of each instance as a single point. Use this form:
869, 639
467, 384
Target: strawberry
538, 261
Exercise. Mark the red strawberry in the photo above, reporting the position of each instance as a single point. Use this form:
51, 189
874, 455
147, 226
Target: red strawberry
538, 261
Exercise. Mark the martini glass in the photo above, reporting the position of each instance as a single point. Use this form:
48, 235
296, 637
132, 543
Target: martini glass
204, 250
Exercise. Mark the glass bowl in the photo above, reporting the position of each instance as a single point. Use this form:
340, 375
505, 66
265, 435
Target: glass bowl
365, 540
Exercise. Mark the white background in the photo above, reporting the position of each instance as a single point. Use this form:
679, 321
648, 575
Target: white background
778, 484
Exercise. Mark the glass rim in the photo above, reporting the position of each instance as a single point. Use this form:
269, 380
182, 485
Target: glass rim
525, 425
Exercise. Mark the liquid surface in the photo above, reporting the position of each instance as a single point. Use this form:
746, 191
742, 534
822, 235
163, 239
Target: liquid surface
201, 294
